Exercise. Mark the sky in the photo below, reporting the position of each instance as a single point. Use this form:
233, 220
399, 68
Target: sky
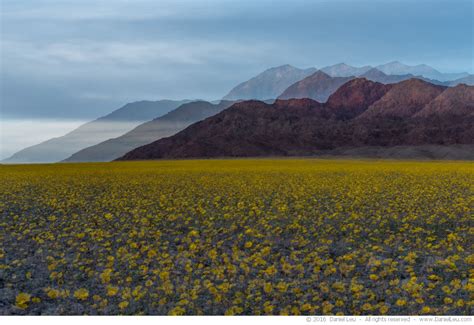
70, 61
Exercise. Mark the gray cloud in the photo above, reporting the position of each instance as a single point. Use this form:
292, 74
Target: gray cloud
12, 133
131, 53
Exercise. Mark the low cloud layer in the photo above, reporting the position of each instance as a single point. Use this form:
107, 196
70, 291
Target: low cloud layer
18, 134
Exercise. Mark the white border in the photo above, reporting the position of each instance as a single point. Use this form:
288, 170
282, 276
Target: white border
219, 320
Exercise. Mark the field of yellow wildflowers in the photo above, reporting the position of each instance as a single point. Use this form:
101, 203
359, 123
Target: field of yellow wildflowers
230, 237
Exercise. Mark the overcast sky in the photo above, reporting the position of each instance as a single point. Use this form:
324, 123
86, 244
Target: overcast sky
69, 59
80, 59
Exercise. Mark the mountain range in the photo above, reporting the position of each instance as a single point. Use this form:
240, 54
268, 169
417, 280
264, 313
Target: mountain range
163, 126
319, 86
345, 70
274, 82
140, 123
361, 115
268, 84
392, 68
112, 125
468, 80
424, 70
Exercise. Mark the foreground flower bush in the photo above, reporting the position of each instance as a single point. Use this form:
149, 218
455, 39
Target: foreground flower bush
237, 237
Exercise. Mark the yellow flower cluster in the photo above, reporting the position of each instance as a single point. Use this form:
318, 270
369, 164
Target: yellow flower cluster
229, 237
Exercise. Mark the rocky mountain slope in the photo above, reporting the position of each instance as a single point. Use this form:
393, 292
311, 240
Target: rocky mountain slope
455, 101
404, 99
306, 127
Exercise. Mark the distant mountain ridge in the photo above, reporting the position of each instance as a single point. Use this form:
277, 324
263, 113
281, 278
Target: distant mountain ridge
164, 126
308, 85
345, 70
268, 84
318, 86
109, 126
375, 74
112, 135
398, 68
468, 80
271, 83
306, 127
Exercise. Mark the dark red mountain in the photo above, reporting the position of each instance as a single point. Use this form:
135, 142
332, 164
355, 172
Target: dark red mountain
457, 100
356, 96
404, 99
301, 127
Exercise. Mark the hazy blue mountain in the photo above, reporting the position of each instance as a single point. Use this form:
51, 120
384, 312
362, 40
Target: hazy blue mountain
150, 131
269, 84
377, 75
110, 126
468, 80
398, 68
345, 70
